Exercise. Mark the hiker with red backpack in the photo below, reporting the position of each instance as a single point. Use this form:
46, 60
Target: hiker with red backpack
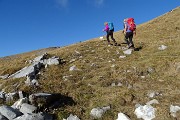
109, 28
129, 31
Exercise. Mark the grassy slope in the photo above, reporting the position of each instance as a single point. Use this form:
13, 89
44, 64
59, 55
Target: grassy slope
91, 86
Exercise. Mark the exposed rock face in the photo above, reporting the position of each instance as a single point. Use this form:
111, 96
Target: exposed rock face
33, 107
34, 116
37, 64
9, 112
3, 117
32, 71
27, 108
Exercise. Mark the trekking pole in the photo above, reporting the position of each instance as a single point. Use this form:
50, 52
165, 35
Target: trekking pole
103, 36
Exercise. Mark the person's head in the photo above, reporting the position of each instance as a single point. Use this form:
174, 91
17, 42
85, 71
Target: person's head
105, 23
125, 20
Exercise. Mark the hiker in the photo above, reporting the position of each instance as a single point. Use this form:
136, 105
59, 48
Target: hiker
129, 31
109, 28
124, 22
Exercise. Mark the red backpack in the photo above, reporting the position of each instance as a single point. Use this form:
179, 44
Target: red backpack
131, 24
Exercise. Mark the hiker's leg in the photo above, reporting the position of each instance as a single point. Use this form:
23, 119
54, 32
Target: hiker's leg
127, 37
113, 37
131, 40
107, 37
126, 40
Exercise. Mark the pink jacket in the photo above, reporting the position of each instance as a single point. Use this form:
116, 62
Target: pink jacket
106, 28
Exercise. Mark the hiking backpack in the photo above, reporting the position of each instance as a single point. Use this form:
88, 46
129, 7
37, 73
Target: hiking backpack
131, 24
111, 26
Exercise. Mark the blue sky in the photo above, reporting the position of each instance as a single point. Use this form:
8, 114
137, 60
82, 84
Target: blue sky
27, 25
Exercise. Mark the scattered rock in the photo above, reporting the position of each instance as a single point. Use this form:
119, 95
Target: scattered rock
72, 117
73, 68
101, 38
150, 70
146, 112
174, 109
77, 52
4, 76
153, 94
27, 108
128, 51
122, 56
9, 112
11, 96
18, 104
73, 60
162, 47
122, 116
98, 112
34, 116
2, 95
113, 84
119, 84
3, 117
113, 66
154, 101
143, 77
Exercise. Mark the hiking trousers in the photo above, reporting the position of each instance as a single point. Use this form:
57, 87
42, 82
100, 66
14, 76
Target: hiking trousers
110, 33
128, 39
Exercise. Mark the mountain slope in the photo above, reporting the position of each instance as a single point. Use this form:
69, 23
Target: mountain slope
105, 79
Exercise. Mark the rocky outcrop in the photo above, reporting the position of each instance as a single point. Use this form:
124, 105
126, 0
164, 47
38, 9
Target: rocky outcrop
9, 112
37, 64
35, 107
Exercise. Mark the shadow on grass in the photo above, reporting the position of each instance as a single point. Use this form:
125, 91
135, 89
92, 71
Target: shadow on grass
47, 103
59, 100
138, 48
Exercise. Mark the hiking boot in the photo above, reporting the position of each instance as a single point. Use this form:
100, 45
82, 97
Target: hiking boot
118, 44
124, 43
109, 43
131, 47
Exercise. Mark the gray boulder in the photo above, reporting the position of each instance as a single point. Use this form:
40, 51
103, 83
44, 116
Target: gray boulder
4, 76
41, 57
2, 95
38, 63
98, 112
52, 61
18, 104
34, 116
27, 108
29, 116
9, 112
30, 71
3, 117
72, 117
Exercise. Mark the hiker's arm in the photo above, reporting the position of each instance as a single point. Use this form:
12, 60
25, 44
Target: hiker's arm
134, 32
125, 28
106, 28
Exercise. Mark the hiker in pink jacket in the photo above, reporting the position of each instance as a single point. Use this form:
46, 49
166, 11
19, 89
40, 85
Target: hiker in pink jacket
109, 28
106, 27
